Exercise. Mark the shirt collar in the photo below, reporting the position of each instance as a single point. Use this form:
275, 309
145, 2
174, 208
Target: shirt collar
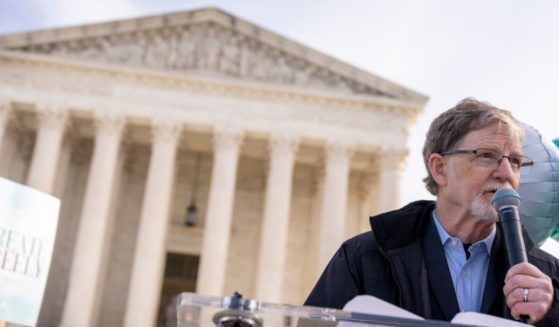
445, 237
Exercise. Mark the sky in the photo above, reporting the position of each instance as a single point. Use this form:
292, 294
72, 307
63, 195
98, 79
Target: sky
502, 51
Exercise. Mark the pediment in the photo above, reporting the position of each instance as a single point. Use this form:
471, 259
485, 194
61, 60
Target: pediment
207, 41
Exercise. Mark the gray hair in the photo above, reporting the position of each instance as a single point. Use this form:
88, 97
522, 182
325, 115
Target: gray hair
450, 127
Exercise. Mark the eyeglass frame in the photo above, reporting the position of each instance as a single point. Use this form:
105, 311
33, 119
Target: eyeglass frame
524, 163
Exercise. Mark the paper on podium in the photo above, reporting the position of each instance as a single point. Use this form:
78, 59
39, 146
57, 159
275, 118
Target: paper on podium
374, 306
371, 305
482, 319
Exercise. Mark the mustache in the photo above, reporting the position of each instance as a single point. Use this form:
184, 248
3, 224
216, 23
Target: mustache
493, 186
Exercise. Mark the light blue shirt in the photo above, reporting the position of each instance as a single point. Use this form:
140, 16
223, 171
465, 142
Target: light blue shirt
468, 276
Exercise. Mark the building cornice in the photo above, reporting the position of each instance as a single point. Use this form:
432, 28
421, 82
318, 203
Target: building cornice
223, 19
220, 85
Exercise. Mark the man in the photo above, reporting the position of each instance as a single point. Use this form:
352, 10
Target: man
436, 259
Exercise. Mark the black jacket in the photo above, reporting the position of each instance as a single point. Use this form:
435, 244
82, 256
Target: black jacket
391, 263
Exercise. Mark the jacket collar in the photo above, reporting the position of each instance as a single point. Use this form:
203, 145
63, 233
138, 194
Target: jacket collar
397, 228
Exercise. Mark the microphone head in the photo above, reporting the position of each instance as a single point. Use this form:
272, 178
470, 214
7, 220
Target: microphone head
505, 197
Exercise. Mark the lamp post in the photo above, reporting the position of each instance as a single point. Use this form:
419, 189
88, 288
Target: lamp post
192, 208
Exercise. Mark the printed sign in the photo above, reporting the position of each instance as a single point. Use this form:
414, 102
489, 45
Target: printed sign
28, 221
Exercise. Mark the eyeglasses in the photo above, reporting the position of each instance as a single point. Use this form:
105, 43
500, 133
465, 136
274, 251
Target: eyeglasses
488, 158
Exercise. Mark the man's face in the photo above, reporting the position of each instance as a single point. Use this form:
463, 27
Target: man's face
470, 185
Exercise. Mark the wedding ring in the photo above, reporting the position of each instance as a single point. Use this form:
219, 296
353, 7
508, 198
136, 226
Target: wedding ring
525, 295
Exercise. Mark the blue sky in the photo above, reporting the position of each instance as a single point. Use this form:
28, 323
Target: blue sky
502, 51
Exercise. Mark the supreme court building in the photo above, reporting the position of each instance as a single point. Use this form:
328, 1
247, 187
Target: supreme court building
194, 151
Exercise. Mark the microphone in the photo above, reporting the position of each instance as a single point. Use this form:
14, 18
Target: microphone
506, 201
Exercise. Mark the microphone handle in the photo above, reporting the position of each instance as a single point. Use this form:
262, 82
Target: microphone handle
514, 243
512, 233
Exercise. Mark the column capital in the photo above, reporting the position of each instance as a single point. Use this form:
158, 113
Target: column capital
339, 150
5, 112
227, 137
166, 130
52, 115
5, 107
393, 159
283, 144
110, 122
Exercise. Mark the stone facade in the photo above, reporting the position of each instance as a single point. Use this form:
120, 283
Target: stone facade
290, 151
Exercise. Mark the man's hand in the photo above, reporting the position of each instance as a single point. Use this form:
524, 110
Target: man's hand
539, 295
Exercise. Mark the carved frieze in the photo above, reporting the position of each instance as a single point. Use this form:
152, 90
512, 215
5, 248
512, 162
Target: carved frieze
205, 48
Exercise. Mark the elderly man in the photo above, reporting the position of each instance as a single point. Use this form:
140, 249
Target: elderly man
436, 259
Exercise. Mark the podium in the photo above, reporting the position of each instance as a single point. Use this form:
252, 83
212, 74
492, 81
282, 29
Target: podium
195, 310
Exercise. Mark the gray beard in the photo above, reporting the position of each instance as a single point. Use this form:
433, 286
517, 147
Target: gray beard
483, 210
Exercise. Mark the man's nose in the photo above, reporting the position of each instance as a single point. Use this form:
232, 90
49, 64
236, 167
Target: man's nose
504, 171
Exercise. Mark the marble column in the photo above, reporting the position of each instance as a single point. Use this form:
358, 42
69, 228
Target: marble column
334, 201
5, 109
52, 123
392, 164
94, 232
150, 253
217, 227
273, 240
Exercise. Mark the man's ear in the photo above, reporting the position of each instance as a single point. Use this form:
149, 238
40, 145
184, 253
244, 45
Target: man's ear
437, 167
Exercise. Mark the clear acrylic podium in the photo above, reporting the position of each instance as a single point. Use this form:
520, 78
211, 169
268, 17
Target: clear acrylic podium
195, 310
